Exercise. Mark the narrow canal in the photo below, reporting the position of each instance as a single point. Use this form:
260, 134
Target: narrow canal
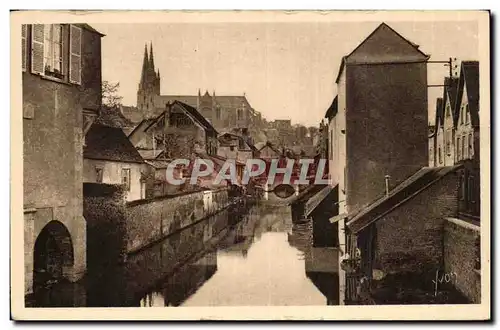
251, 256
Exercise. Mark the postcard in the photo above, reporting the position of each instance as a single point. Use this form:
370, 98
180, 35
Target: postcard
250, 165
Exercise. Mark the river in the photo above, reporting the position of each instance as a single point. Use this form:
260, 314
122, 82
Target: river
253, 256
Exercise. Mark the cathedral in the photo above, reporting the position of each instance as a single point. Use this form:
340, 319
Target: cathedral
224, 112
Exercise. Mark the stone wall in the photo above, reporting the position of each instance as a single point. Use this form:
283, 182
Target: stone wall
148, 221
117, 227
461, 249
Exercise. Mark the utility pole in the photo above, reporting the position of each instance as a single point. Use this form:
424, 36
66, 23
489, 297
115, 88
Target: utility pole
451, 64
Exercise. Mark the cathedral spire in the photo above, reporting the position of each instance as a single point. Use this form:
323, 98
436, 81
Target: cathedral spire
145, 64
151, 59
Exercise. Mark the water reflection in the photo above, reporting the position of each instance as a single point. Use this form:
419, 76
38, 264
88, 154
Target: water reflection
249, 257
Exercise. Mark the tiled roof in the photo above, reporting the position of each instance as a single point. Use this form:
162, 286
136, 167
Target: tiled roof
158, 163
198, 116
113, 117
150, 154
425, 177
439, 112
317, 198
450, 91
142, 126
469, 77
90, 28
307, 193
332, 110
109, 143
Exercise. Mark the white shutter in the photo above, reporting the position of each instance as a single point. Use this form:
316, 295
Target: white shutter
23, 45
37, 48
75, 55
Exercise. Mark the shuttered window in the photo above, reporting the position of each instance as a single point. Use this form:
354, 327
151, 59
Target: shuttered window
37, 48
75, 55
23, 45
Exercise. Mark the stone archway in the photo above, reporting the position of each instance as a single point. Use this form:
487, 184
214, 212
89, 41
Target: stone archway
53, 253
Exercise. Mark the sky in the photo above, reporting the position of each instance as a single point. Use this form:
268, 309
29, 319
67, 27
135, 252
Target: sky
286, 70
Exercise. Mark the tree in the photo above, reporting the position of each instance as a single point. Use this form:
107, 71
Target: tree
110, 97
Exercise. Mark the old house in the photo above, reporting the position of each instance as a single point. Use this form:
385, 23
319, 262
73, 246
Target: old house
233, 146
61, 96
448, 129
180, 130
375, 145
405, 235
110, 158
466, 127
372, 137
268, 151
437, 138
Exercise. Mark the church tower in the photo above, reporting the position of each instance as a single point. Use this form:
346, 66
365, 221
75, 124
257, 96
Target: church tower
149, 86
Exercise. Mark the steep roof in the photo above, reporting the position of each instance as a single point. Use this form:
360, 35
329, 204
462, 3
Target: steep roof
113, 117
90, 28
469, 79
439, 112
450, 93
384, 45
142, 126
150, 154
109, 143
414, 185
270, 146
196, 115
308, 193
332, 110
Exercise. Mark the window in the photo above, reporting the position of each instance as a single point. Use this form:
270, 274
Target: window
440, 155
459, 155
126, 178
240, 114
467, 114
217, 113
471, 146
98, 174
448, 112
48, 54
231, 148
53, 50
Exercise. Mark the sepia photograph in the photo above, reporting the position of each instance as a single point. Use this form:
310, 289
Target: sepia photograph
241, 165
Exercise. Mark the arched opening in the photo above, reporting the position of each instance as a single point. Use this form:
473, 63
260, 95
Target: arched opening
53, 252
